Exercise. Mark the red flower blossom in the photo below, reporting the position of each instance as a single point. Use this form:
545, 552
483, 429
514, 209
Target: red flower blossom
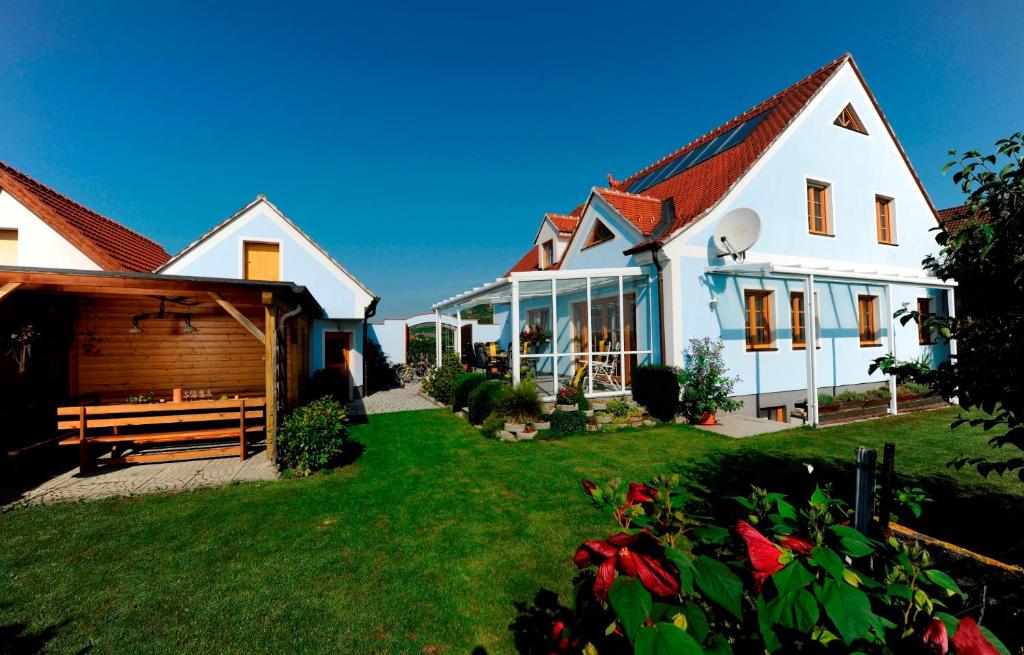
764, 555
588, 487
935, 638
641, 493
560, 638
797, 545
636, 555
968, 640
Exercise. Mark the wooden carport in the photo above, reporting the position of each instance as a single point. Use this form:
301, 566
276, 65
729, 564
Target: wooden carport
105, 336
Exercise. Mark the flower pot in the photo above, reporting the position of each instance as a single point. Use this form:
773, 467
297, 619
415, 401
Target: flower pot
565, 408
707, 418
515, 428
176, 395
542, 425
589, 413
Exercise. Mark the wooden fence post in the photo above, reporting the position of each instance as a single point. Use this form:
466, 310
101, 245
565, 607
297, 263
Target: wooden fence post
865, 488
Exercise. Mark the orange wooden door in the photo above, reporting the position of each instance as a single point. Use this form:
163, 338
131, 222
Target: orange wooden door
336, 355
262, 261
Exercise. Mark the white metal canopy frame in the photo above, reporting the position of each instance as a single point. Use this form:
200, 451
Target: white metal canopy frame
565, 302
809, 274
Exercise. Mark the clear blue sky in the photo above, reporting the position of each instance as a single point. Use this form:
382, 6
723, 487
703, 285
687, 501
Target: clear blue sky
421, 145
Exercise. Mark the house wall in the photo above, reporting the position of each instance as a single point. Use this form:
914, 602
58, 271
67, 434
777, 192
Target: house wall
549, 232
390, 334
607, 254
39, 245
355, 359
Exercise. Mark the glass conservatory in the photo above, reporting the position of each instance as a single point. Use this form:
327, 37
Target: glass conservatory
584, 328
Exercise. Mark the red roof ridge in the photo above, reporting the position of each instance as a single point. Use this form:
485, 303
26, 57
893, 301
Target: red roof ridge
756, 109
98, 247
626, 194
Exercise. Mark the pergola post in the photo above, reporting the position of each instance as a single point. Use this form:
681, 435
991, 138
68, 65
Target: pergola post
951, 312
893, 408
590, 340
270, 369
438, 347
515, 331
811, 337
458, 331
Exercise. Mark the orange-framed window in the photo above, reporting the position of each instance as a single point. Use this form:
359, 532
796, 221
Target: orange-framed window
924, 310
599, 234
867, 313
849, 119
883, 220
796, 305
817, 208
758, 319
547, 251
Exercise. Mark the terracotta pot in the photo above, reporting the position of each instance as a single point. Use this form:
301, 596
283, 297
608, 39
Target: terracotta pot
176, 395
707, 418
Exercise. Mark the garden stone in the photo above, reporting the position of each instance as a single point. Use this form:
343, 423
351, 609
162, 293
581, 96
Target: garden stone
542, 425
566, 408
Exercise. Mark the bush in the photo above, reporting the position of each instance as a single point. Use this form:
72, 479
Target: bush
568, 396
656, 388
880, 392
312, 437
440, 380
493, 424
852, 397
564, 423
521, 403
584, 402
912, 387
706, 386
825, 399
618, 408
484, 400
381, 374
464, 384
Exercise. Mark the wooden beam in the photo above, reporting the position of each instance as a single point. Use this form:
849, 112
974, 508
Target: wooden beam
270, 363
6, 289
239, 316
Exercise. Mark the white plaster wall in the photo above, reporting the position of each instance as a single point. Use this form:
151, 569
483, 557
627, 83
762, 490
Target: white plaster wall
39, 245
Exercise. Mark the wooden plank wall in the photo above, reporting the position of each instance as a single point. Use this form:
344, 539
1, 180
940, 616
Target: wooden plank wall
297, 348
220, 356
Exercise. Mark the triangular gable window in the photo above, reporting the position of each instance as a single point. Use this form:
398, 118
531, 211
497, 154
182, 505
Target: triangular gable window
599, 234
849, 119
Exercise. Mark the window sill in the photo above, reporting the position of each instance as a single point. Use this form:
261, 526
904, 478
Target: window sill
596, 243
821, 234
870, 344
888, 243
761, 349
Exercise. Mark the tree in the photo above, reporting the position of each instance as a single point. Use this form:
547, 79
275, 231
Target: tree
985, 255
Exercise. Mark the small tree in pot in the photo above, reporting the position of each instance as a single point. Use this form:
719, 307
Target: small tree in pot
706, 387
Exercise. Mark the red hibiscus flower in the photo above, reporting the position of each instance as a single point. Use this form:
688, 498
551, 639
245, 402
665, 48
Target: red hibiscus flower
764, 555
641, 493
797, 545
935, 638
560, 638
635, 555
968, 640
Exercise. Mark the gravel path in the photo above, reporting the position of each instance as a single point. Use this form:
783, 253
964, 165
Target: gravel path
403, 399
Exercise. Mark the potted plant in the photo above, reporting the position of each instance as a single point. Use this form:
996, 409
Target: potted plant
567, 399
520, 405
536, 337
705, 385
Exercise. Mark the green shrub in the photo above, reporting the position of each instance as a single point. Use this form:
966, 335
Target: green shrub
440, 380
880, 392
329, 382
912, 387
825, 399
312, 437
483, 400
381, 374
584, 403
704, 380
852, 397
464, 384
618, 407
656, 388
493, 424
521, 403
563, 423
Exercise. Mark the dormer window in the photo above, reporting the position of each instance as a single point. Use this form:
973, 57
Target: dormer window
8, 247
547, 254
599, 234
849, 119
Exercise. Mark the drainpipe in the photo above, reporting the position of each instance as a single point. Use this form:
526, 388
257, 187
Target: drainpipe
661, 301
282, 358
368, 313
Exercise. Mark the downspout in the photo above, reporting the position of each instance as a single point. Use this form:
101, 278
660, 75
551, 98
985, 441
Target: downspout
368, 313
661, 301
282, 362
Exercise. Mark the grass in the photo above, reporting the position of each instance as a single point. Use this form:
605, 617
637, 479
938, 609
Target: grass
422, 545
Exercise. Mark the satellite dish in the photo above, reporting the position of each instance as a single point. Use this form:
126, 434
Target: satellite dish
737, 232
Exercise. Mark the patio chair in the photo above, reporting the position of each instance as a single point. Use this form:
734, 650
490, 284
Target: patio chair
605, 366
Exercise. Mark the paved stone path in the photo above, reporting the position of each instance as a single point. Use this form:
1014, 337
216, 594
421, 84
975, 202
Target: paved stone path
148, 478
734, 425
403, 399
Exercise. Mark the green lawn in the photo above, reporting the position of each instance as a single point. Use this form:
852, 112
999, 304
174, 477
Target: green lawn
422, 545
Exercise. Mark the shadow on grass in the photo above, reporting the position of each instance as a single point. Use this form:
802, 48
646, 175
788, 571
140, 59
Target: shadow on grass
16, 640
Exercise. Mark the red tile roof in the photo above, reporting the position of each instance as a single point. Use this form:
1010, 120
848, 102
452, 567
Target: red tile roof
564, 224
642, 211
108, 243
953, 218
528, 262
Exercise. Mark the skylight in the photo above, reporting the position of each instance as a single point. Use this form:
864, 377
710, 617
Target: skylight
715, 146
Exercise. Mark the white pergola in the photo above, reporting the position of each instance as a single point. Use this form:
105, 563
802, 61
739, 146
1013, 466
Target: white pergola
506, 290
808, 274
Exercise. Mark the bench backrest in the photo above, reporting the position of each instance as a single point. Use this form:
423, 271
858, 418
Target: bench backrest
163, 415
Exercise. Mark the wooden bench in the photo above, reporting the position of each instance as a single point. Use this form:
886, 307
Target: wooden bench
161, 424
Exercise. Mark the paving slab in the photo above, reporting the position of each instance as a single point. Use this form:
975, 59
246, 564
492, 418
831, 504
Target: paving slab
403, 399
733, 425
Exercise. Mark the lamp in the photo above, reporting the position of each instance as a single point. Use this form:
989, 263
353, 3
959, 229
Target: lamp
713, 303
188, 329
135, 329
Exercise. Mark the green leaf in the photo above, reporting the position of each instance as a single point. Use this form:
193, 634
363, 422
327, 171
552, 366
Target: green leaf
944, 581
766, 616
792, 577
685, 566
696, 621
899, 590
992, 639
711, 534
828, 560
854, 543
632, 604
848, 608
797, 610
718, 645
719, 583
665, 639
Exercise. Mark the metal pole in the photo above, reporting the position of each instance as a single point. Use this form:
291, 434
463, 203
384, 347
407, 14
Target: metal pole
590, 340
515, 331
458, 331
811, 338
865, 489
437, 338
951, 312
885, 502
554, 337
893, 408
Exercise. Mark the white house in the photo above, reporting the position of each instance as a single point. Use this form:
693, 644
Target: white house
845, 223
259, 242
